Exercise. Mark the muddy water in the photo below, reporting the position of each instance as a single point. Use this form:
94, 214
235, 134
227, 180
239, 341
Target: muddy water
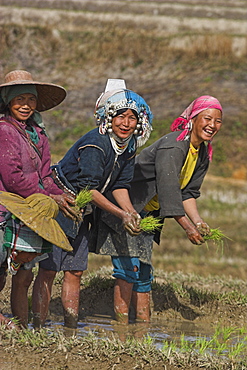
223, 192
159, 331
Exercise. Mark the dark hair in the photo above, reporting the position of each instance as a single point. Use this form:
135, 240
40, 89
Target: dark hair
121, 111
4, 109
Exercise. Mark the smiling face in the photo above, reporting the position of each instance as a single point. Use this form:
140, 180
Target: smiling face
23, 106
205, 126
124, 124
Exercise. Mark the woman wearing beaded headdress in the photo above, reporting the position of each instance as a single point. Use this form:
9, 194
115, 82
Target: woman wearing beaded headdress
167, 179
100, 161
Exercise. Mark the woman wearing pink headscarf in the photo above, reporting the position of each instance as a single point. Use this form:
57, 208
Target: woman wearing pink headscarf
167, 180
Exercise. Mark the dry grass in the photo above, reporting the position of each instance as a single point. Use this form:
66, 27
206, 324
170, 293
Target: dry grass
211, 46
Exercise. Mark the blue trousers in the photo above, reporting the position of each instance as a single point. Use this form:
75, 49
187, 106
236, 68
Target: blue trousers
123, 268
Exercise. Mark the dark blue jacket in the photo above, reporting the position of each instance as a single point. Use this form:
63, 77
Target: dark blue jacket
91, 160
91, 163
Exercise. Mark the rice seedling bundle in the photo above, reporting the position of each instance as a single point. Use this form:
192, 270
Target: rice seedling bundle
150, 224
217, 236
83, 198
81, 201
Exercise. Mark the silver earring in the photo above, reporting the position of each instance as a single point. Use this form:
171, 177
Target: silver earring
190, 125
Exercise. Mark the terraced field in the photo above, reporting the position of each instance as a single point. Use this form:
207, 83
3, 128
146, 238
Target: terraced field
170, 52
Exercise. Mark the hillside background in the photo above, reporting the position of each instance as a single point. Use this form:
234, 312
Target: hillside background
168, 51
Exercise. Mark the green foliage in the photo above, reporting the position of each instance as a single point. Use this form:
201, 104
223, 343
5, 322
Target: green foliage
225, 344
237, 129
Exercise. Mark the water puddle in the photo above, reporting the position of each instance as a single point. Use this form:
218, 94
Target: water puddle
158, 330
159, 333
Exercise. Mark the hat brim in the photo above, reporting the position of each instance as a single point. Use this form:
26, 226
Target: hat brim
47, 228
49, 95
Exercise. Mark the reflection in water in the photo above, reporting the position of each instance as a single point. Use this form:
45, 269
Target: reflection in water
158, 330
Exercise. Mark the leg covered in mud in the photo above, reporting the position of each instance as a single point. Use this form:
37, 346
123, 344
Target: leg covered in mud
133, 284
72, 264
122, 298
71, 297
141, 304
19, 295
141, 293
41, 297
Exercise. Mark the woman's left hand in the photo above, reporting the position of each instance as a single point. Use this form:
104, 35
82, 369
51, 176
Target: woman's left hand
131, 222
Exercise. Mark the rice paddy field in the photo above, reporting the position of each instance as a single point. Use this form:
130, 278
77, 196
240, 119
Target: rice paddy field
170, 52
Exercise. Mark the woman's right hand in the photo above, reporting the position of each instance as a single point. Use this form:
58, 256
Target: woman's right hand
194, 236
192, 232
64, 202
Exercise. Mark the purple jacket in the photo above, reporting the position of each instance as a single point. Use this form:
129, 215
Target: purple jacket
21, 168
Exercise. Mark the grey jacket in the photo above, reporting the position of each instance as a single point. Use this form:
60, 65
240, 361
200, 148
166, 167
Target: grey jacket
157, 171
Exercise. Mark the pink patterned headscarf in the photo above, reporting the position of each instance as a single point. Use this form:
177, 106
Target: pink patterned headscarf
183, 122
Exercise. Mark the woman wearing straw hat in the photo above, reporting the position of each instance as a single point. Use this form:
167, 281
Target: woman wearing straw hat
27, 219
25, 156
102, 160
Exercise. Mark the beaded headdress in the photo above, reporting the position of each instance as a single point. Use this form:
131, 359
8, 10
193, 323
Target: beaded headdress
117, 97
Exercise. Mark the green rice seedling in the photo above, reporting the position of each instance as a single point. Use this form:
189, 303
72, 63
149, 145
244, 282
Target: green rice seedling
150, 224
217, 236
82, 200
237, 348
202, 344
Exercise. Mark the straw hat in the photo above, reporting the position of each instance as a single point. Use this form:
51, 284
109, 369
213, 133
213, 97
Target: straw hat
37, 212
49, 95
